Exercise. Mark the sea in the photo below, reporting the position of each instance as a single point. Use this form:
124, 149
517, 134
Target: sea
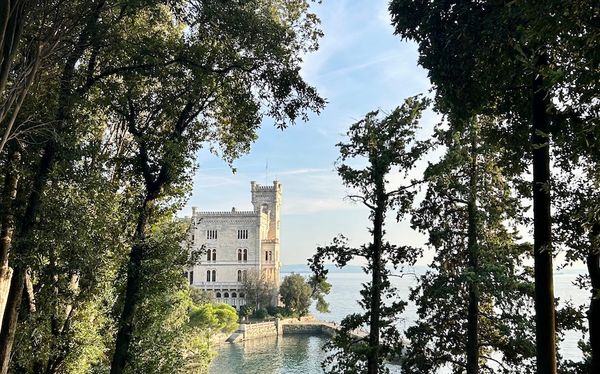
303, 354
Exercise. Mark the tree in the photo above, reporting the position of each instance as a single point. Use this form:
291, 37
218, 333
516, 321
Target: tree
385, 145
320, 288
295, 294
172, 111
241, 61
578, 233
513, 60
216, 317
259, 292
473, 305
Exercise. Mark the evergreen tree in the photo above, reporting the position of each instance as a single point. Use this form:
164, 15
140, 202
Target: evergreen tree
529, 63
386, 145
473, 304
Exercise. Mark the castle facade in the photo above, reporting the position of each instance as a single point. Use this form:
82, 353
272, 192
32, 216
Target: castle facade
236, 244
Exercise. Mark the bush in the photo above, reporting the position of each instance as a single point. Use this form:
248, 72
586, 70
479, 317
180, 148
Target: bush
260, 314
246, 310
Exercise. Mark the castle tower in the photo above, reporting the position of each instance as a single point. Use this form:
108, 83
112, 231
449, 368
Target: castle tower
267, 200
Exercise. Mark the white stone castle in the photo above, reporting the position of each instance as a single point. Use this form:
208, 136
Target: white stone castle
237, 243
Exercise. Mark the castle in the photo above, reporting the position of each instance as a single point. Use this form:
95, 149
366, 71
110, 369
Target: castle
236, 244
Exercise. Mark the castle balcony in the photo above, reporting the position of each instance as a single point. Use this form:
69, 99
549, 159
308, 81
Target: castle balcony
217, 285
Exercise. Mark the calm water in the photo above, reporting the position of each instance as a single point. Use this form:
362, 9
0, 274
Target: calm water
290, 354
302, 354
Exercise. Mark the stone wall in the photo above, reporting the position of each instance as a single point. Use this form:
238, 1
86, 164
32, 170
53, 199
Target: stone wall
260, 330
306, 325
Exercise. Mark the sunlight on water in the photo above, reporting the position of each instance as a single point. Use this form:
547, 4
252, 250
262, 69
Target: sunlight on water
303, 354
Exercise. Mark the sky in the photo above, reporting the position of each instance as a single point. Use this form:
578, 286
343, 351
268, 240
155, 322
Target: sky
360, 66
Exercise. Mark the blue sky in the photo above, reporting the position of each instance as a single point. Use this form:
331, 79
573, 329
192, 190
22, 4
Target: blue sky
360, 66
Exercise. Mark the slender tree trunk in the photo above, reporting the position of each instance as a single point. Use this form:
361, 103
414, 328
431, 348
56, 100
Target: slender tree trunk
542, 226
593, 265
65, 96
132, 290
473, 263
12, 16
11, 313
9, 321
374, 332
11, 182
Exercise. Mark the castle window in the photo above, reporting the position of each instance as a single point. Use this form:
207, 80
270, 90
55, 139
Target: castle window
233, 294
239, 254
211, 234
242, 234
218, 295
214, 275
191, 277
245, 255
242, 295
208, 275
239, 275
244, 275
211, 255
226, 295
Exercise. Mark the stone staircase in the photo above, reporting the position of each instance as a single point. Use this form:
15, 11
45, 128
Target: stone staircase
235, 336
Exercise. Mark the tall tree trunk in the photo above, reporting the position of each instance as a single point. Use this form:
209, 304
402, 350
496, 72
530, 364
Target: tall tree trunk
593, 265
11, 313
65, 96
542, 225
473, 262
9, 194
374, 332
9, 321
132, 290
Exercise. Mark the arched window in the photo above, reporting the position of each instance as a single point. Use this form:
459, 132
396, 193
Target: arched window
233, 294
239, 254
239, 274
214, 275
214, 255
233, 301
245, 255
245, 275
208, 275
266, 256
226, 295
242, 295
208, 255
218, 295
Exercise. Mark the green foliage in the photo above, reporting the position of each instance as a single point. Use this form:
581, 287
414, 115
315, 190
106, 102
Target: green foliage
259, 292
320, 288
295, 294
384, 145
201, 297
246, 310
469, 170
214, 317
260, 314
